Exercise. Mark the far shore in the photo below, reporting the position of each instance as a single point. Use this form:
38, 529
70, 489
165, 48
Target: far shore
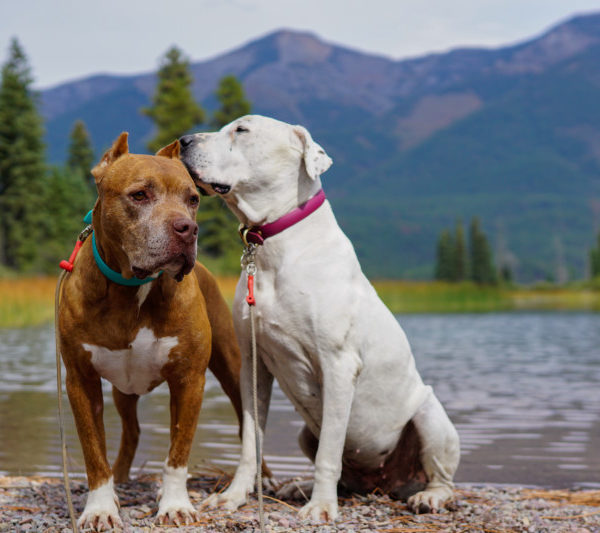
29, 301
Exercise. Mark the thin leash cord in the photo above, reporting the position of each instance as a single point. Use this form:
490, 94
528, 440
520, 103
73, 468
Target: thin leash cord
250, 266
61, 421
259, 484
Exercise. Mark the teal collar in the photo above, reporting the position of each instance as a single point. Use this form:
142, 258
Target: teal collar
112, 275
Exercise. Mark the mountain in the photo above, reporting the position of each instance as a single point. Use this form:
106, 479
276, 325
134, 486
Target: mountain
511, 135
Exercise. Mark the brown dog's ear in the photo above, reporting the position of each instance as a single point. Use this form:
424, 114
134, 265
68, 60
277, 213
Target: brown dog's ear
120, 147
171, 150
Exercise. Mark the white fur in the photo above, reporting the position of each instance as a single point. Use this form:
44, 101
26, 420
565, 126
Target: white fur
134, 369
174, 500
336, 350
143, 292
101, 507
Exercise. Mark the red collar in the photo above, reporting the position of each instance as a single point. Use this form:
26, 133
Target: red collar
258, 234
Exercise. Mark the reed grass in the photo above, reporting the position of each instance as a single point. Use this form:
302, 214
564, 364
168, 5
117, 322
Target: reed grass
30, 301
26, 301
439, 297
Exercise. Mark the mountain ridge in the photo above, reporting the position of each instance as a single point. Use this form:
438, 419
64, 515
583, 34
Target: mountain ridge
419, 131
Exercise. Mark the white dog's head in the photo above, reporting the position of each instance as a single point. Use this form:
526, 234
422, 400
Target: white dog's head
260, 166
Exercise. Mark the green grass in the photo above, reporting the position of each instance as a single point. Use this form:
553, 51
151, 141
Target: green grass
30, 301
26, 301
438, 297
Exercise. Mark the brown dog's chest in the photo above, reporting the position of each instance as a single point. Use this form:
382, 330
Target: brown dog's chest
137, 368
135, 338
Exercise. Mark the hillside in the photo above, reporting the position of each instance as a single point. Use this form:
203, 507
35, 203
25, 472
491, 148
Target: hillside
510, 134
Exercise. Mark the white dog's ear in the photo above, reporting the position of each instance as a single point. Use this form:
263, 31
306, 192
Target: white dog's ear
316, 160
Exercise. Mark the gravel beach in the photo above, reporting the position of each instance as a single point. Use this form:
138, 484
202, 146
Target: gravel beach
37, 504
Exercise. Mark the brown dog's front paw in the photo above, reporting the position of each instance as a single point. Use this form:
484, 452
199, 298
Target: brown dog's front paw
177, 516
101, 511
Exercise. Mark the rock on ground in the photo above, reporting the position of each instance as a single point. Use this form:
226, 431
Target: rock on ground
38, 505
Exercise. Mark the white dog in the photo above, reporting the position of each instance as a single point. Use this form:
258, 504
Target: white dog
336, 350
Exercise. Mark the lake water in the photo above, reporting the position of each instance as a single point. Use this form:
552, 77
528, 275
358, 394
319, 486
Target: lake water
522, 388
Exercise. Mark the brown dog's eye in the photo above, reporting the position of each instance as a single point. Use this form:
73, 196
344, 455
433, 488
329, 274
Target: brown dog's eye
139, 196
194, 200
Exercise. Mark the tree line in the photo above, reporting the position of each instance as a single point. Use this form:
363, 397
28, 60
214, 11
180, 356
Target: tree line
41, 205
456, 261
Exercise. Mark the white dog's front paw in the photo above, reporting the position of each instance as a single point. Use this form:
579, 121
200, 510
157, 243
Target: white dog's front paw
229, 500
429, 500
101, 511
320, 511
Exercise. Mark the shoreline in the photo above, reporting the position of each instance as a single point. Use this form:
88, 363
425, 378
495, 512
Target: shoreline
38, 504
29, 301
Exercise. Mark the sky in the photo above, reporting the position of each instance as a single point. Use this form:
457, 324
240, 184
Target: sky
71, 39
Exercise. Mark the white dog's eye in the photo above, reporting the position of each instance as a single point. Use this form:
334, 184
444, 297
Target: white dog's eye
241, 129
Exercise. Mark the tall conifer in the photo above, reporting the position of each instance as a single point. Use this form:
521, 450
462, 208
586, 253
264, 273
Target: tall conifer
444, 260
482, 264
461, 260
22, 167
595, 259
230, 94
81, 153
173, 110
218, 235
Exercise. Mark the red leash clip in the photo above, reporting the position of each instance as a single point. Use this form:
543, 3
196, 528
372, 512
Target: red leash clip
68, 265
250, 298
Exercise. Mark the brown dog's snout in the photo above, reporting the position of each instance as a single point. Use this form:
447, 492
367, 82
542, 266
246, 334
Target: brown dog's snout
185, 229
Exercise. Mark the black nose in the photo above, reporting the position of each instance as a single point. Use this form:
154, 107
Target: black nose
186, 229
186, 140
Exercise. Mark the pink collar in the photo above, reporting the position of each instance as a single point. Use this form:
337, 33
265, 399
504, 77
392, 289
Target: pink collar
258, 234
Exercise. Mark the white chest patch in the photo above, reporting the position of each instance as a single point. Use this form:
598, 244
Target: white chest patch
133, 369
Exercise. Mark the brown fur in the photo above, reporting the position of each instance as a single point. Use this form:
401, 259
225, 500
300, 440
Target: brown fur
96, 311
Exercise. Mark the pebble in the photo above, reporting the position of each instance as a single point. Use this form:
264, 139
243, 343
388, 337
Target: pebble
38, 504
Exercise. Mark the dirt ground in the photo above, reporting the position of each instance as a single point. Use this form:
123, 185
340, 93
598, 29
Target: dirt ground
38, 505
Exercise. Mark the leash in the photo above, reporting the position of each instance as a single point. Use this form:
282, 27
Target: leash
61, 420
67, 267
249, 264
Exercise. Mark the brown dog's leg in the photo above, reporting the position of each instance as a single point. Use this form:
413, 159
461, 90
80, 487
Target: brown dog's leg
186, 399
101, 509
225, 360
126, 405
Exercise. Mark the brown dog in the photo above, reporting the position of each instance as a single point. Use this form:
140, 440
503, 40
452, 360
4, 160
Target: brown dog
168, 329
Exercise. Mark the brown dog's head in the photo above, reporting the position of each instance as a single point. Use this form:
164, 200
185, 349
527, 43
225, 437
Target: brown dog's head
144, 218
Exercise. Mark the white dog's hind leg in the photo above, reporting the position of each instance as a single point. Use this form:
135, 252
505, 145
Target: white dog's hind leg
440, 454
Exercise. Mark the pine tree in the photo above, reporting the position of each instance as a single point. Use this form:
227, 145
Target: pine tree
173, 110
445, 263
595, 259
461, 261
482, 264
218, 234
71, 198
230, 94
81, 153
22, 168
